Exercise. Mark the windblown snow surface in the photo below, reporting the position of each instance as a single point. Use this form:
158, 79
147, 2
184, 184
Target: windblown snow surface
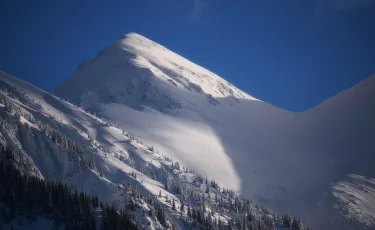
299, 163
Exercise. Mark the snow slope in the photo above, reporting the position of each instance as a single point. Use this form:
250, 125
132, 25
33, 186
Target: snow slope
55, 140
356, 198
288, 161
282, 159
173, 104
40, 156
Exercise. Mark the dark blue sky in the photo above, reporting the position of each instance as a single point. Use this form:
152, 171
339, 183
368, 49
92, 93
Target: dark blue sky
290, 53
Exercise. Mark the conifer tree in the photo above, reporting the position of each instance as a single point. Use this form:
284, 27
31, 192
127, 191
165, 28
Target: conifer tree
166, 184
182, 208
189, 211
173, 205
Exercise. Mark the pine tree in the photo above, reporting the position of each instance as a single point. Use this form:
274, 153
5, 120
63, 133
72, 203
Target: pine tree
173, 205
296, 224
189, 211
182, 208
166, 185
287, 221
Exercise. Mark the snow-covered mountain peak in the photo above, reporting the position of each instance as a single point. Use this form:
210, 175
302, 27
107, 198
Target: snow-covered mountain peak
136, 72
155, 108
134, 37
178, 66
276, 157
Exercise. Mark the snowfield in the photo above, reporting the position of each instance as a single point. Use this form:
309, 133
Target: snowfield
155, 105
356, 197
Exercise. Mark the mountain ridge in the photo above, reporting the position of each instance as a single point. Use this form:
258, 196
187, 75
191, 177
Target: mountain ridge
89, 154
292, 162
268, 153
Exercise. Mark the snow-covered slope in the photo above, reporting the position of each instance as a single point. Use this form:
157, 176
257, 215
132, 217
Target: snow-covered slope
181, 108
55, 140
282, 159
299, 163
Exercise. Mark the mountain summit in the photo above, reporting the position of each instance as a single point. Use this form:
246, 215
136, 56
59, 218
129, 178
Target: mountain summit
302, 163
136, 71
179, 107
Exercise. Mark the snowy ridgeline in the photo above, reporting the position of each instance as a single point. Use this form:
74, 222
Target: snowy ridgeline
161, 124
55, 141
284, 160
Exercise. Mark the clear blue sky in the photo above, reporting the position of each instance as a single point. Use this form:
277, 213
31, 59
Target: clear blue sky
290, 53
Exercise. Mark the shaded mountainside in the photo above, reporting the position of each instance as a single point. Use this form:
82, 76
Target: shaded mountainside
50, 140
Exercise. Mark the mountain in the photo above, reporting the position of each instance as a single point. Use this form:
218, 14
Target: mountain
180, 108
142, 108
285, 160
52, 140
52, 150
